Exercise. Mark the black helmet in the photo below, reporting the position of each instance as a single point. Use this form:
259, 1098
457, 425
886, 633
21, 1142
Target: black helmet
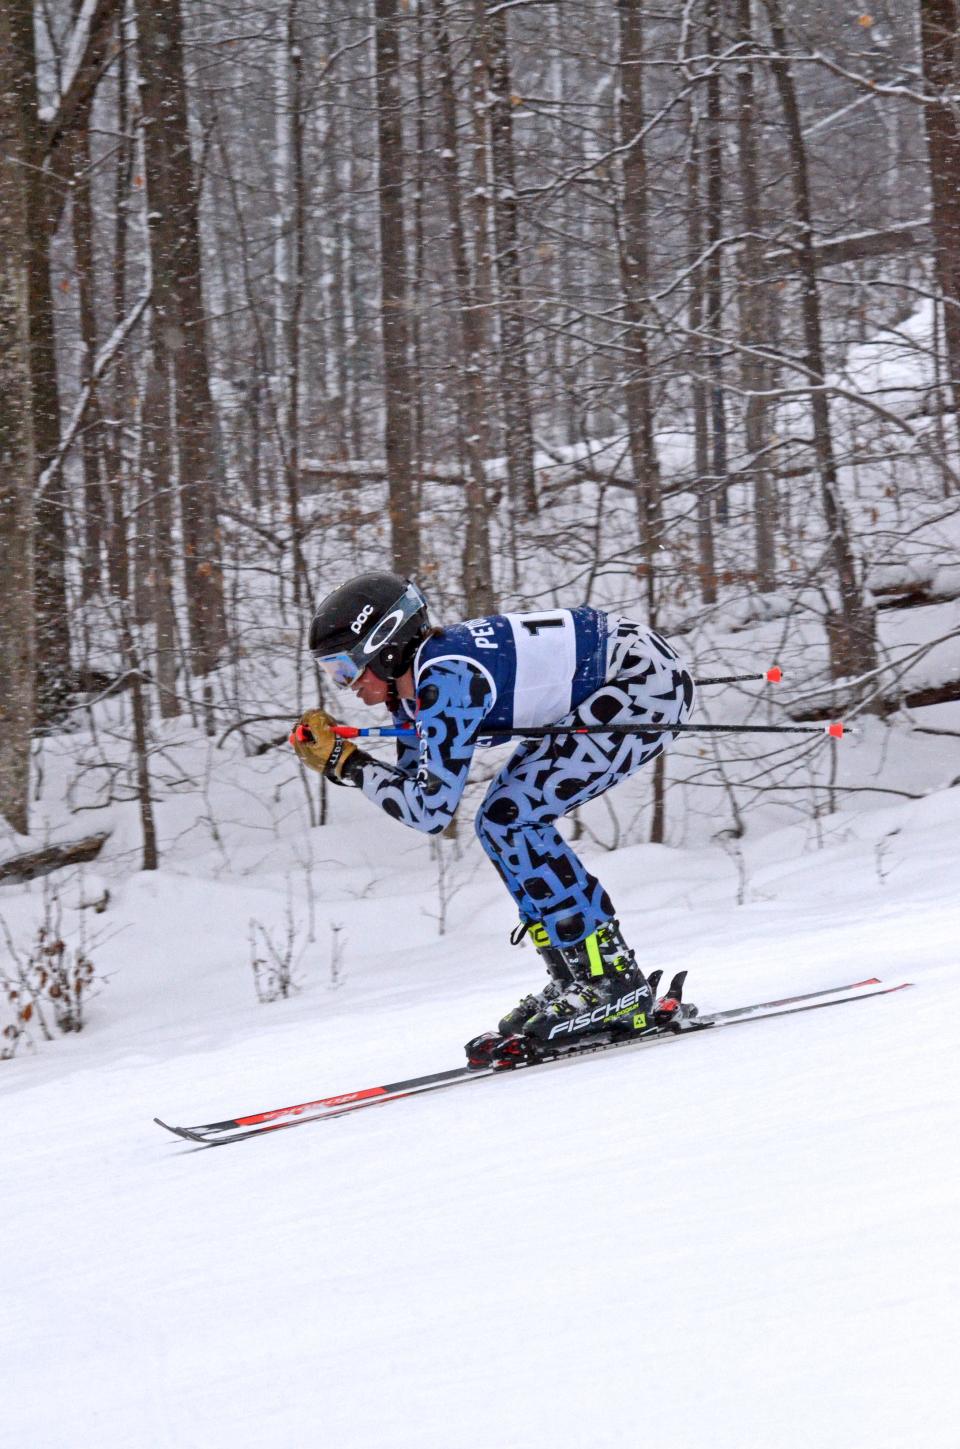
375, 621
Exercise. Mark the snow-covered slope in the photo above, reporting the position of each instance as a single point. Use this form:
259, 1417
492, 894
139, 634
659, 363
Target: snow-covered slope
748, 1239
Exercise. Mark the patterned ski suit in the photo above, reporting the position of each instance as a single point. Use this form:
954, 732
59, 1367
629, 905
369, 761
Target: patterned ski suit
569, 666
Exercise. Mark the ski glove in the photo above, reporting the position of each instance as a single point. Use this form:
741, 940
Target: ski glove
320, 749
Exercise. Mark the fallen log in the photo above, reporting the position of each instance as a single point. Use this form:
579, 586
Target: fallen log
52, 857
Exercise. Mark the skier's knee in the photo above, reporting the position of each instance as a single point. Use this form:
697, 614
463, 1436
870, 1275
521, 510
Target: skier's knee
497, 810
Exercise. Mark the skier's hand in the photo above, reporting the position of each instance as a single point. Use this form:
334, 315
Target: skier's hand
318, 748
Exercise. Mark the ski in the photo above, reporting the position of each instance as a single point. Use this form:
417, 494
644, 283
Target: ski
235, 1129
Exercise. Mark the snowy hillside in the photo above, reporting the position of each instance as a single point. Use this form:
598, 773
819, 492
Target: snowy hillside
743, 1240
748, 1239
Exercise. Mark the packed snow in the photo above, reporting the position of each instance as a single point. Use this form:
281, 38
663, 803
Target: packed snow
747, 1238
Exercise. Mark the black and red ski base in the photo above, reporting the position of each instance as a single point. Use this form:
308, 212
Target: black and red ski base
235, 1129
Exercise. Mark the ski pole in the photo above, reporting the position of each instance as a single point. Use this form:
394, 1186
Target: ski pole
835, 728
772, 676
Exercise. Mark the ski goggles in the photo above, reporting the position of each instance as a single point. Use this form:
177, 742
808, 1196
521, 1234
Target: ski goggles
346, 665
342, 669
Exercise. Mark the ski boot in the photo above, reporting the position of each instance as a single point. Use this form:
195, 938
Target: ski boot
608, 992
557, 969
505, 1045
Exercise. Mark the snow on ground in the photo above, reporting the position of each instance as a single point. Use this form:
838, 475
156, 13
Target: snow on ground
742, 1239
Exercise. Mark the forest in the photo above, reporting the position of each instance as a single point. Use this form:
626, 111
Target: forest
653, 307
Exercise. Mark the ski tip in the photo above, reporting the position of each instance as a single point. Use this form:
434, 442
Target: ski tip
186, 1134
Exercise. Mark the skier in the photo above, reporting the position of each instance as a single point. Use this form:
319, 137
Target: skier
451, 687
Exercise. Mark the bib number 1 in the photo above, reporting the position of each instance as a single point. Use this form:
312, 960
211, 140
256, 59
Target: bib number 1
534, 626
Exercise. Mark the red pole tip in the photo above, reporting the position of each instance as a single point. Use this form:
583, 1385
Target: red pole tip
346, 732
836, 730
774, 675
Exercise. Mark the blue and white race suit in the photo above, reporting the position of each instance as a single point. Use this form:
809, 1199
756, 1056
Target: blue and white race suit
565, 666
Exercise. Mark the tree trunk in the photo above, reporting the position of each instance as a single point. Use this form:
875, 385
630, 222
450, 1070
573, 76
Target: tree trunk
714, 279
939, 41
418, 281
61, 137
17, 462
477, 585
118, 562
156, 516
754, 309
852, 629
91, 433
52, 658
141, 751
707, 562
55, 145
634, 271
339, 386
180, 322
635, 276
295, 209
517, 417
479, 223
394, 303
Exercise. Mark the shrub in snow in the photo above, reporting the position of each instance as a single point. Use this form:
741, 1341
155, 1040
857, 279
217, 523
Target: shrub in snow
273, 962
48, 979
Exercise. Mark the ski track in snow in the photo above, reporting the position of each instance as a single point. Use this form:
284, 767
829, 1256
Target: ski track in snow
741, 1239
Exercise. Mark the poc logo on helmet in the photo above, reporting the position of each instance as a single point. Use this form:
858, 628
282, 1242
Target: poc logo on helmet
361, 619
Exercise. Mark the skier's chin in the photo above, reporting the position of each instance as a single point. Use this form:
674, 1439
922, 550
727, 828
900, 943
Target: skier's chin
370, 690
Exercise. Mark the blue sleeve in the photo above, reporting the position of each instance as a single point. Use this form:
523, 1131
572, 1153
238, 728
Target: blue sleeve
453, 698
408, 753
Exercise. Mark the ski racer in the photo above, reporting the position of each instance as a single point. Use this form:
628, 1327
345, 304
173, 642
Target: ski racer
450, 687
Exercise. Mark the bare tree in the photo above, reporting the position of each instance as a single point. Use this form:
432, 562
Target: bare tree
57, 143
115, 460
180, 334
851, 628
92, 432
155, 521
480, 224
477, 583
515, 383
939, 41
52, 657
394, 299
16, 423
754, 306
713, 288
290, 273
706, 543
635, 280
